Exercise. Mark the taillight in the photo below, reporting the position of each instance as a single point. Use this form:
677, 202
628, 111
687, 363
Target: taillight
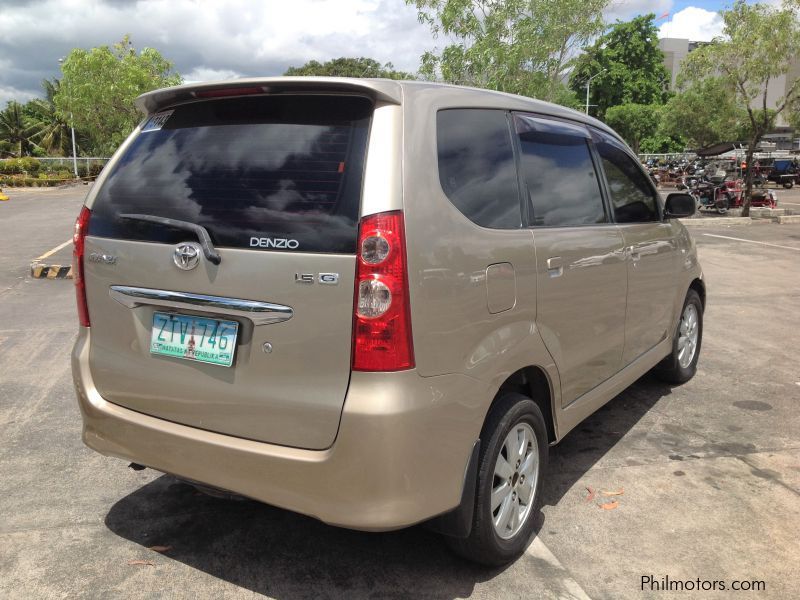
382, 323
78, 242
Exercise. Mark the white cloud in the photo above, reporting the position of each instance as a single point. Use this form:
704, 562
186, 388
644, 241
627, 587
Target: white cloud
624, 10
230, 38
206, 74
692, 23
11, 93
210, 39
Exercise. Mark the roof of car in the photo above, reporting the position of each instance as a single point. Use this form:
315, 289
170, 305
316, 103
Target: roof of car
384, 90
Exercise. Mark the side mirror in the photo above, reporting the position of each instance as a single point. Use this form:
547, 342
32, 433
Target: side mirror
679, 206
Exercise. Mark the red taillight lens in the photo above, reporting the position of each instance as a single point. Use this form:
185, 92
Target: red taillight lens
382, 323
78, 241
228, 92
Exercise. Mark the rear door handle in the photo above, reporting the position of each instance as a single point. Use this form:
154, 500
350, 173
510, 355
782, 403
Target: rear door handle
555, 266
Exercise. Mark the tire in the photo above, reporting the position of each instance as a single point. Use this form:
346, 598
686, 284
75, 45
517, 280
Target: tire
723, 204
511, 411
674, 368
788, 185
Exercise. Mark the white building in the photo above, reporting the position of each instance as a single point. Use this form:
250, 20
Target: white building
676, 50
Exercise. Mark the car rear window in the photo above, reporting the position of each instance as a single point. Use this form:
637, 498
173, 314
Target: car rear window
264, 172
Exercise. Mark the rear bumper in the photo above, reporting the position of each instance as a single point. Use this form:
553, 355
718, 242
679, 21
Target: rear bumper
399, 458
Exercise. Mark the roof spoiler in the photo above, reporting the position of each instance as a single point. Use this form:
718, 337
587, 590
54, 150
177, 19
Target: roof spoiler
380, 90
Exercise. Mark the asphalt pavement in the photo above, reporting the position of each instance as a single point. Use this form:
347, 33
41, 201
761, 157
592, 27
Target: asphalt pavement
705, 476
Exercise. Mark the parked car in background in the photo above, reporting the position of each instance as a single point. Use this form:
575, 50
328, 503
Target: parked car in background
374, 302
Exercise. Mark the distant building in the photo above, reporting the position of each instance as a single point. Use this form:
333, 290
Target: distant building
676, 50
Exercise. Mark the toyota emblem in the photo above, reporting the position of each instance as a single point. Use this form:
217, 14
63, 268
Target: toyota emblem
186, 255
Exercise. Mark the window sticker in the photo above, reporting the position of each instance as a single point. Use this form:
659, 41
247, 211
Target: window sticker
157, 121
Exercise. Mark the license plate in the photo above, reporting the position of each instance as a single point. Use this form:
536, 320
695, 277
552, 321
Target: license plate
194, 338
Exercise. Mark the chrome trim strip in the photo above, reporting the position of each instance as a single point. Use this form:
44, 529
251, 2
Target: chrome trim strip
260, 313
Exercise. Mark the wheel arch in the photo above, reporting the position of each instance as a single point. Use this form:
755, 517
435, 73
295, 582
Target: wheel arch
700, 287
532, 381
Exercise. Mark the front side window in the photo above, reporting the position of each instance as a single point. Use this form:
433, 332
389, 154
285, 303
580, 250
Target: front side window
476, 166
632, 196
563, 188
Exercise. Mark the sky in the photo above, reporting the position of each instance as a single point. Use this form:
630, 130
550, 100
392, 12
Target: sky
220, 39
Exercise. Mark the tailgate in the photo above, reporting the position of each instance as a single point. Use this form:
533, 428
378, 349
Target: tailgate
276, 184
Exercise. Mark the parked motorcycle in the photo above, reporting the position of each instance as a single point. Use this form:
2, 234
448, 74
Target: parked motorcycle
713, 194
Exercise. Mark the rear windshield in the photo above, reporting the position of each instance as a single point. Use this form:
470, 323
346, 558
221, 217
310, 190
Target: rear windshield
280, 173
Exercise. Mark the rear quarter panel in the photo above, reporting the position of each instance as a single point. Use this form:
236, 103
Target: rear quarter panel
448, 255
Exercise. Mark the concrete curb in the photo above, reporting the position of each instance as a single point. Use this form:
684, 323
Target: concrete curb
788, 219
716, 221
42, 271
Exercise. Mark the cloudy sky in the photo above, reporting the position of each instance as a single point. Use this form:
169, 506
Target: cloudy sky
219, 39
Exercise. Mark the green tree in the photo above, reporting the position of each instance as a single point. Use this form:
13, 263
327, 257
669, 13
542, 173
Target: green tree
517, 46
630, 66
16, 128
704, 113
661, 143
634, 122
349, 67
760, 42
98, 88
51, 130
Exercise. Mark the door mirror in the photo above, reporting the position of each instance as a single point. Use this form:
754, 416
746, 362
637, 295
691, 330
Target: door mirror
679, 205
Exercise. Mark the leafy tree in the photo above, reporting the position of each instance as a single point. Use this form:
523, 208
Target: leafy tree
704, 113
759, 43
661, 143
634, 122
518, 46
16, 128
98, 88
630, 64
349, 67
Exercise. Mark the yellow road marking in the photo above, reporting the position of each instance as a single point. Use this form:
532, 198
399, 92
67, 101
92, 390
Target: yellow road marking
54, 250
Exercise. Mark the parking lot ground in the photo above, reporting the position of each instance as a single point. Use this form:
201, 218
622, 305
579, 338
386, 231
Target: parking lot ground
707, 475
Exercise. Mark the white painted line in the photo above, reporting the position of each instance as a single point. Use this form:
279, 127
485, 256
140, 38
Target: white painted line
537, 549
725, 237
54, 250
792, 203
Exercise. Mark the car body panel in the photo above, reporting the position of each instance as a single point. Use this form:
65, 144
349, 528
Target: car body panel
379, 451
257, 397
399, 457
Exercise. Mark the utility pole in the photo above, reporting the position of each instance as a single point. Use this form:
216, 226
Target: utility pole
589, 83
72, 127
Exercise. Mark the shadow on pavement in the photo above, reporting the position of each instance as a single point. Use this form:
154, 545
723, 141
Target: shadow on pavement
284, 555
593, 438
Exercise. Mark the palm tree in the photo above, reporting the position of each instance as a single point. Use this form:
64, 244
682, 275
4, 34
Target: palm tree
16, 127
51, 128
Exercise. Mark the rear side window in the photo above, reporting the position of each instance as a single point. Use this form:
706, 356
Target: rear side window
563, 187
253, 171
632, 196
476, 166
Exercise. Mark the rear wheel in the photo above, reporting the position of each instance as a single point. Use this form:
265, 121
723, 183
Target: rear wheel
681, 365
513, 458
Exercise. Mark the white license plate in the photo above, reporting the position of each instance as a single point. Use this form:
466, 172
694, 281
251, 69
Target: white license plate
194, 338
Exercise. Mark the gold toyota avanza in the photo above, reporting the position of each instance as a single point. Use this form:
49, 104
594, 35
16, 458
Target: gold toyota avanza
374, 302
